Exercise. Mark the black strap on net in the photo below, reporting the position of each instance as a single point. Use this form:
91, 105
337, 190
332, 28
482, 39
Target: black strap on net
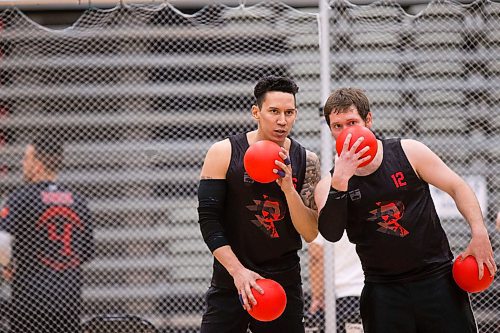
118, 323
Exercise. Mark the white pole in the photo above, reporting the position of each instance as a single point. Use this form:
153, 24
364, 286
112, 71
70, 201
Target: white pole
326, 161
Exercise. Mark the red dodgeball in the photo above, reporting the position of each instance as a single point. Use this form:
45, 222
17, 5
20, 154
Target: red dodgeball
358, 131
466, 272
271, 304
259, 161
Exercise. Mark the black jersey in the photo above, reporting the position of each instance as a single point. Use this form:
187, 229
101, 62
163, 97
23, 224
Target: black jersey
257, 221
53, 236
393, 222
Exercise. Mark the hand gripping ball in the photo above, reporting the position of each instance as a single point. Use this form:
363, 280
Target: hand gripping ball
271, 304
358, 131
259, 161
466, 272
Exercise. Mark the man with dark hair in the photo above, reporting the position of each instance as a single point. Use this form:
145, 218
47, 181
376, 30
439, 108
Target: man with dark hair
235, 213
47, 230
388, 212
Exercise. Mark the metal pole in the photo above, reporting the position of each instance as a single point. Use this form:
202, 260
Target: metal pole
326, 161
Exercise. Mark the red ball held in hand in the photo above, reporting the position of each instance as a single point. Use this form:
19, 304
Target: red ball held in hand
259, 161
358, 131
271, 304
466, 275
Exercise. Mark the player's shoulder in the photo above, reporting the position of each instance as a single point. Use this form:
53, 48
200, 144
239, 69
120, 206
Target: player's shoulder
411, 146
220, 150
223, 143
217, 160
410, 142
219, 147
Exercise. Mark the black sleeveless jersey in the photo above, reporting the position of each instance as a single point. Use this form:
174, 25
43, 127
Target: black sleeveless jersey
257, 221
393, 222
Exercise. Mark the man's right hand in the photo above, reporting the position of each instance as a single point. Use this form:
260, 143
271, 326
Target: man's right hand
245, 280
347, 163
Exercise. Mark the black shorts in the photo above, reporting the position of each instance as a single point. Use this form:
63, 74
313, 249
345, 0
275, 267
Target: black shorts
433, 305
224, 313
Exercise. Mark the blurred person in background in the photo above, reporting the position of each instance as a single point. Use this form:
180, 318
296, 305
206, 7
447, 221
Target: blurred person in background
46, 234
254, 229
348, 276
388, 212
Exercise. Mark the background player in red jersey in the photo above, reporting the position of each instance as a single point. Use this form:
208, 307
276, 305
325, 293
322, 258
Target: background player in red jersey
47, 230
388, 212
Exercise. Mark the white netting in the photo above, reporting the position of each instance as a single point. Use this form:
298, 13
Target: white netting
139, 93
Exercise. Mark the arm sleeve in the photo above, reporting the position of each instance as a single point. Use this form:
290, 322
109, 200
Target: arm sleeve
211, 198
333, 217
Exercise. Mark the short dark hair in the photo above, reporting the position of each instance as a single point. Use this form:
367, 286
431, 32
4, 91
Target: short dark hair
341, 99
273, 83
49, 150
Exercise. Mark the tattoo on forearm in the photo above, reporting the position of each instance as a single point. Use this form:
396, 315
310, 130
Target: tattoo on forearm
313, 174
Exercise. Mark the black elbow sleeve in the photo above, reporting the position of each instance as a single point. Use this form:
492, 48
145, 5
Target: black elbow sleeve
211, 197
333, 217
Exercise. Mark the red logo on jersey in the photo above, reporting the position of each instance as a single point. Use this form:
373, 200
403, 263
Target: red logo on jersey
268, 211
387, 216
4, 212
64, 219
